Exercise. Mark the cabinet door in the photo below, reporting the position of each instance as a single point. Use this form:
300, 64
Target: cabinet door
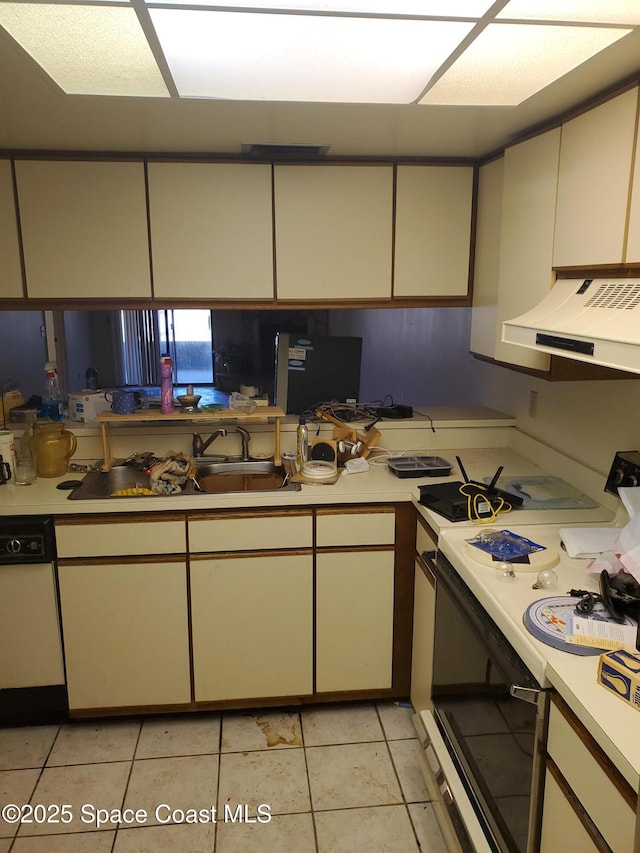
593, 184
526, 241
632, 254
211, 230
84, 229
10, 269
354, 620
484, 322
252, 627
126, 637
424, 614
333, 232
562, 827
433, 230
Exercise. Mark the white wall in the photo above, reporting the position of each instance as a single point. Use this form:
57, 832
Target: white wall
587, 421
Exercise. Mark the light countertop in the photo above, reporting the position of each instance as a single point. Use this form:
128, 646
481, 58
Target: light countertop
609, 719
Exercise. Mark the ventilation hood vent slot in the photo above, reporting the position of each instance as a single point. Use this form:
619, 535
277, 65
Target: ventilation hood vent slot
591, 320
274, 151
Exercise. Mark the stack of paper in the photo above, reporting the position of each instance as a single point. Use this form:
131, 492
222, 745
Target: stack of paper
585, 542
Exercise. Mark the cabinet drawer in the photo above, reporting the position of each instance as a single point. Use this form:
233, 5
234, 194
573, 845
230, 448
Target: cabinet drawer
355, 528
121, 538
268, 532
604, 795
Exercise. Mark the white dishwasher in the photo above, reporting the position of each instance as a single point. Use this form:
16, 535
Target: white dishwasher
32, 682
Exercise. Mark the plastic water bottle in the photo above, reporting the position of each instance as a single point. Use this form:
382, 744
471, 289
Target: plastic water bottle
52, 400
302, 443
167, 404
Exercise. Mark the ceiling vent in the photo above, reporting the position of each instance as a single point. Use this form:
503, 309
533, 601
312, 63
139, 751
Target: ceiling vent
274, 151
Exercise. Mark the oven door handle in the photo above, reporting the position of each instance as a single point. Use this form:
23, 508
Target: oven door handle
525, 694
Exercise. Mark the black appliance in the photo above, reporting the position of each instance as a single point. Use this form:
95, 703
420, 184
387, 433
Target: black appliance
447, 499
30, 692
315, 369
488, 721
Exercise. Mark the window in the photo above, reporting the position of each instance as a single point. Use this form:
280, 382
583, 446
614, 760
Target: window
185, 334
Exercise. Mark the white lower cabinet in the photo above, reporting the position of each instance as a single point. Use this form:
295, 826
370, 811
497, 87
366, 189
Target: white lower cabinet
252, 622
588, 805
354, 620
126, 636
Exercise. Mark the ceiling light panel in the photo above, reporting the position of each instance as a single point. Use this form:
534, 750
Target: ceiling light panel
586, 11
240, 56
423, 8
86, 49
507, 63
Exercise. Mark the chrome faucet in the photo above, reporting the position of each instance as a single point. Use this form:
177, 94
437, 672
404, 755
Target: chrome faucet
246, 438
199, 446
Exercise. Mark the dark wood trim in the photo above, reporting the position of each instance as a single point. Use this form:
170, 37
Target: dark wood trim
580, 812
599, 755
250, 554
351, 549
119, 518
608, 270
405, 546
310, 699
126, 559
258, 512
215, 303
222, 157
601, 97
425, 570
355, 509
562, 370
475, 195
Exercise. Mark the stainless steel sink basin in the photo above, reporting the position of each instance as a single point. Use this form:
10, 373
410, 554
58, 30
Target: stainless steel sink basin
212, 477
232, 477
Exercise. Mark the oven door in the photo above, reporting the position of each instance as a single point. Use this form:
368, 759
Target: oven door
488, 721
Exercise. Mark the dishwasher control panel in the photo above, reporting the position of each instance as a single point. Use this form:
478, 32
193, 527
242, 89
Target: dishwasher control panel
27, 539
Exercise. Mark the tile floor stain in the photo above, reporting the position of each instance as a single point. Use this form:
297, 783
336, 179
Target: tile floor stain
279, 735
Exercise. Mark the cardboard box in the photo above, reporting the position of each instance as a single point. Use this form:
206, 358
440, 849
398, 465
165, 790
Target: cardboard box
86, 405
619, 672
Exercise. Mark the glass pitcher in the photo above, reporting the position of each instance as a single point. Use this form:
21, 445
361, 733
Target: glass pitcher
53, 446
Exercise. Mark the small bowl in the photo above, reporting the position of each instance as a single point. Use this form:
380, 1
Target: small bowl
189, 401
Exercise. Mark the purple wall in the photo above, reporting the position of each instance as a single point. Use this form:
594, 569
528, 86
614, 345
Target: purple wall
417, 355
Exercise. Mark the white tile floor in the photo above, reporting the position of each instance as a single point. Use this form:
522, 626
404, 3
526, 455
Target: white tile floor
332, 779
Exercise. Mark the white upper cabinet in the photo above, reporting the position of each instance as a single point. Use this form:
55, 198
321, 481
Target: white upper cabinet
487, 259
10, 270
526, 241
433, 230
211, 230
593, 184
84, 229
334, 228
632, 254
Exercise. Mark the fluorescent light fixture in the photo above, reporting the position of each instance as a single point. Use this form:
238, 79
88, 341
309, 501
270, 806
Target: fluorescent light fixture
460, 52
239, 56
87, 49
507, 63
585, 11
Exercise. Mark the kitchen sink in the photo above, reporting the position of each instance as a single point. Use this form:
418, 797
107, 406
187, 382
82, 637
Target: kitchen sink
212, 477
253, 476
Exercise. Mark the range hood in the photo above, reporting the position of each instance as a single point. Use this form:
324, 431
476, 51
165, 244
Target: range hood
592, 320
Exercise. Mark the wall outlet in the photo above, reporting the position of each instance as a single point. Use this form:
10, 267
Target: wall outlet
533, 404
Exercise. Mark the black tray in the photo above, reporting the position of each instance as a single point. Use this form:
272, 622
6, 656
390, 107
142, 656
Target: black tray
419, 466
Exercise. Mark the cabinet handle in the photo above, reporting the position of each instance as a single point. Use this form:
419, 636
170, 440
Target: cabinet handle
525, 694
